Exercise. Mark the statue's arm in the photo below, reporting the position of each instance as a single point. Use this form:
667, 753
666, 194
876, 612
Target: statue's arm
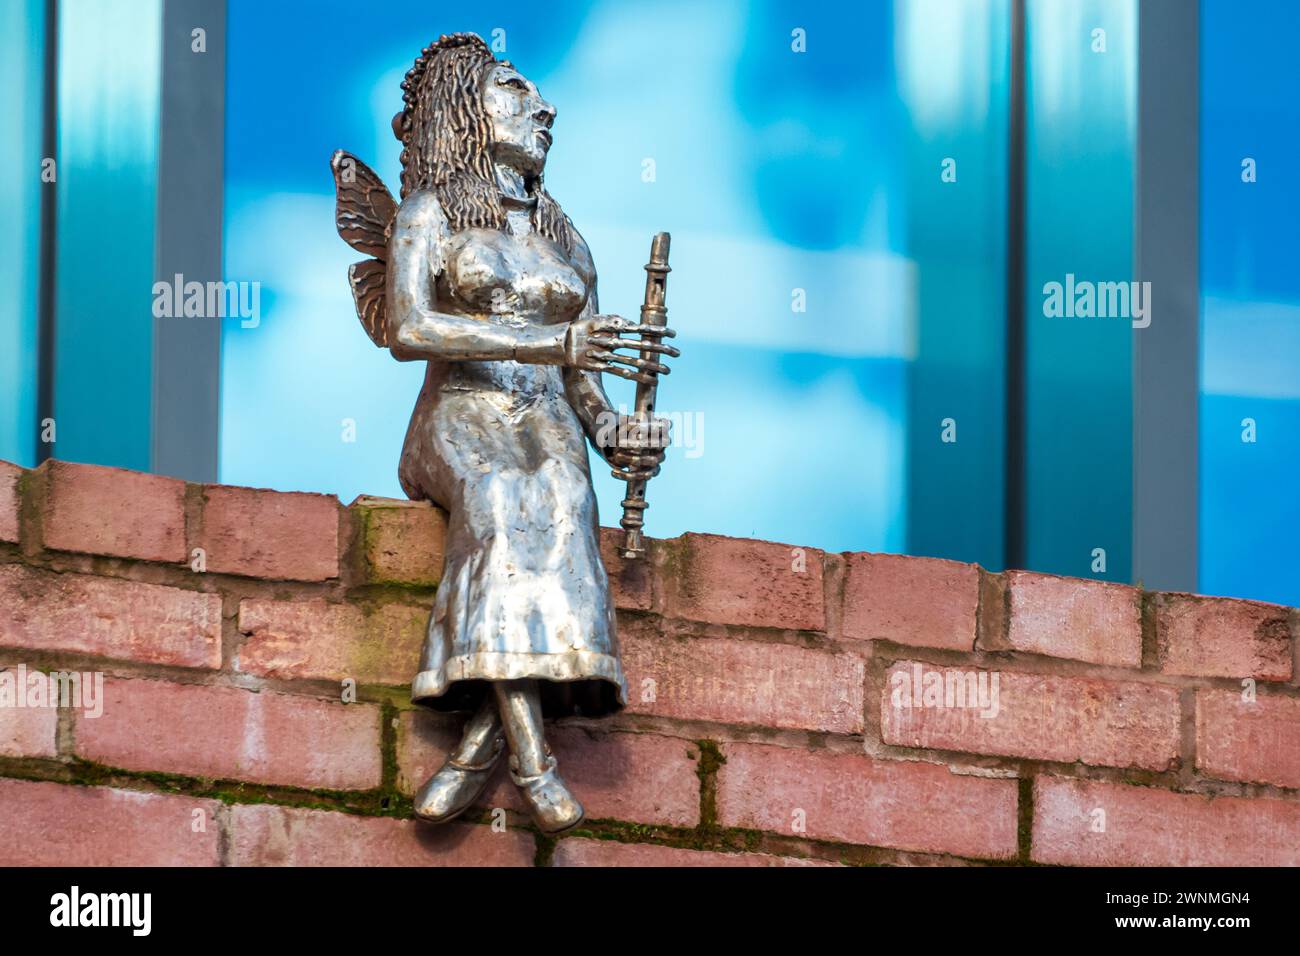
419, 330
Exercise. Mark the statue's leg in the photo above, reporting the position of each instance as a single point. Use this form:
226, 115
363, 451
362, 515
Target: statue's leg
455, 787
532, 766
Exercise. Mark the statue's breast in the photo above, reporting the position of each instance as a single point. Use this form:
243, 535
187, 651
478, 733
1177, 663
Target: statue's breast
490, 272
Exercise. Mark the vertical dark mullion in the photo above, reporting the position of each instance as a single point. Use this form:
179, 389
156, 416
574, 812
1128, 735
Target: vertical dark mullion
1015, 486
187, 351
1166, 354
48, 238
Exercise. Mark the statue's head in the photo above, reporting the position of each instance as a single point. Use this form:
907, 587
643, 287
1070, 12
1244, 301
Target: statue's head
520, 120
464, 112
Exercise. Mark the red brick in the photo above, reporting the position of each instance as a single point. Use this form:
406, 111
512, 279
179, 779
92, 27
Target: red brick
292, 536
1222, 637
641, 778
1041, 717
9, 502
51, 824
581, 852
1094, 621
401, 541
28, 731
1145, 826
852, 798
743, 682
629, 578
229, 733
924, 602
108, 617
126, 514
1256, 741
745, 582
635, 777
315, 639
267, 835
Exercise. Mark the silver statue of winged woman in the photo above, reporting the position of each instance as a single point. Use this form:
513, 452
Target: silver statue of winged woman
478, 273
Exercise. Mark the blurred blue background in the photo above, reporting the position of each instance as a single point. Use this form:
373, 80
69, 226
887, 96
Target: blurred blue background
863, 177
1250, 301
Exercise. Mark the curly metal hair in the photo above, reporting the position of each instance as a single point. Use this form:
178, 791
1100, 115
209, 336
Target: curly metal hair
447, 141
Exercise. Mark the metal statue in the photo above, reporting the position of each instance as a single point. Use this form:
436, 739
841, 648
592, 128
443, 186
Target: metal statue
479, 273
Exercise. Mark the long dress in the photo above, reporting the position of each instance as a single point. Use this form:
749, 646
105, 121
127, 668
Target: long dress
524, 593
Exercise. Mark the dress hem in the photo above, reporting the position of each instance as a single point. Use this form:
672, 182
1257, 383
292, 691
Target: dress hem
501, 665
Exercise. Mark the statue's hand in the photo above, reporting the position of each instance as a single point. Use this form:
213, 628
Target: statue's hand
635, 447
591, 342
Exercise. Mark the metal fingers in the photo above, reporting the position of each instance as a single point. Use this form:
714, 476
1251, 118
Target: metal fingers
622, 372
629, 474
621, 325
613, 342
657, 331
644, 365
635, 466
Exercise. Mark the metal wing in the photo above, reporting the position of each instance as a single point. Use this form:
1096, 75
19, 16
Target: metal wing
368, 278
365, 209
364, 212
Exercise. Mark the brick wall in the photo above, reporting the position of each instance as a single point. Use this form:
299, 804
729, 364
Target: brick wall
255, 646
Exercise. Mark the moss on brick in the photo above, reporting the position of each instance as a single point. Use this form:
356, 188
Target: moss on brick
710, 762
545, 849
1024, 818
365, 543
674, 564
388, 745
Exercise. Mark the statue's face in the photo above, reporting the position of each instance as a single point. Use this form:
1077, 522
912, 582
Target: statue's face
521, 120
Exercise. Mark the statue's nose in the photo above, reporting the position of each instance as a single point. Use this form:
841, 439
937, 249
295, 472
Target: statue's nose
544, 114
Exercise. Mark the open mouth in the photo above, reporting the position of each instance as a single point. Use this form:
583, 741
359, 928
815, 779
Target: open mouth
545, 136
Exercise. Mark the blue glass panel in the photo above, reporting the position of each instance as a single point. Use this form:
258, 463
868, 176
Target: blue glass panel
1250, 305
22, 48
109, 62
956, 201
1080, 139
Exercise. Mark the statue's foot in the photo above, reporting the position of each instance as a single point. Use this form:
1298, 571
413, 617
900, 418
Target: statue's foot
553, 807
454, 788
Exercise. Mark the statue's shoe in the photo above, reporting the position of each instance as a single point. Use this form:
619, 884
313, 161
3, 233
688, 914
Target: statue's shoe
553, 807
454, 788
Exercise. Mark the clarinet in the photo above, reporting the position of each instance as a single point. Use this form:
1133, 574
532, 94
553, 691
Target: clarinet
653, 312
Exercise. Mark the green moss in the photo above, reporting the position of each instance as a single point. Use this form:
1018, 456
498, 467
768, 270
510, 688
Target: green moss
388, 743
1025, 818
1150, 646
23, 487
365, 542
545, 849
707, 767
675, 561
